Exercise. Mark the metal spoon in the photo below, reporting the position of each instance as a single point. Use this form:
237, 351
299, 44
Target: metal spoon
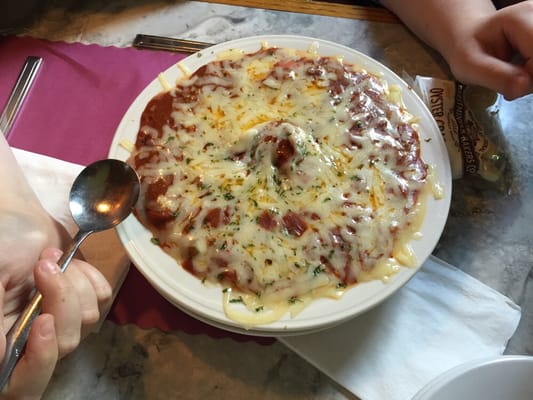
100, 198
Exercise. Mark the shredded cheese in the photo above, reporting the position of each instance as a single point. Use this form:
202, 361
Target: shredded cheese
282, 175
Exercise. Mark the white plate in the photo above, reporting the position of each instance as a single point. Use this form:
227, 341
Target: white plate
205, 303
500, 378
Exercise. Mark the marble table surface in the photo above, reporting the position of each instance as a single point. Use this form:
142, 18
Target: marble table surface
488, 233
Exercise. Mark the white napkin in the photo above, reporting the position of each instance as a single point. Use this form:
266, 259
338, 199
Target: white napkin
51, 180
440, 319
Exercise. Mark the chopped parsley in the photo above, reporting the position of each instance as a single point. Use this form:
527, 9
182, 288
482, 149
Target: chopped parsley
318, 269
237, 300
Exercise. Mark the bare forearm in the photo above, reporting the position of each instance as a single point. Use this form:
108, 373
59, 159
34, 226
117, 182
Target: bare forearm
440, 23
22, 216
16, 189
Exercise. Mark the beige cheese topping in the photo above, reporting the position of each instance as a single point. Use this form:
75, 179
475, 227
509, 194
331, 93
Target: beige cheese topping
281, 175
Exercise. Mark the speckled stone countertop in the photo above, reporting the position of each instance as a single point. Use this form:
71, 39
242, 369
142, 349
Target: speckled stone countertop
488, 233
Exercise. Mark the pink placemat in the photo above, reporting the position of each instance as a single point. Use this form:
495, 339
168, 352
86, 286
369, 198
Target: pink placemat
80, 95
72, 112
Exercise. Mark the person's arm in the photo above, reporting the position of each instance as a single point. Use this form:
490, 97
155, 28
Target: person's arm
71, 301
440, 23
479, 43
22, 220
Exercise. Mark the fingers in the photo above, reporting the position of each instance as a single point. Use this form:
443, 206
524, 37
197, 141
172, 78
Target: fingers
517, 25
486, 55
34, 370
93, 291
100, 285
74, 297
512, 81
61, 300
70, 305
98, 282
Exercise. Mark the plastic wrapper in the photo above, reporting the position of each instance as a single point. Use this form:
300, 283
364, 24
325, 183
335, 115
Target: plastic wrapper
467, 117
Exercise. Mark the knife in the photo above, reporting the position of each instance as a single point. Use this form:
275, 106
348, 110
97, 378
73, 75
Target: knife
152, 42
19, 92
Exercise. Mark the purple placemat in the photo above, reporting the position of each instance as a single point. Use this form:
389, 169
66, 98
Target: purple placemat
80, 95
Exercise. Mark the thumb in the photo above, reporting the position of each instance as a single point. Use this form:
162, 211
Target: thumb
35, 368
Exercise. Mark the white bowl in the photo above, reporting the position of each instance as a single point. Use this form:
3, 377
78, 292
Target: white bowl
500, 378
205, 303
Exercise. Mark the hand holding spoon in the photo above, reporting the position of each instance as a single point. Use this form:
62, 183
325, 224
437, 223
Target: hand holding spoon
101, 197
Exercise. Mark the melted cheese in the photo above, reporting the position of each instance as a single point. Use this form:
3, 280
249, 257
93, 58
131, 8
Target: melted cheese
282, 175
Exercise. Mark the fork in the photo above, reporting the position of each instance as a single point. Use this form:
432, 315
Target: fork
142, 41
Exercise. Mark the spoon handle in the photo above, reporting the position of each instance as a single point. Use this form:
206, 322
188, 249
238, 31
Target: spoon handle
18, 334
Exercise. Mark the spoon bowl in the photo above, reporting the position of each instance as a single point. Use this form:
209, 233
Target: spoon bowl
101, 197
